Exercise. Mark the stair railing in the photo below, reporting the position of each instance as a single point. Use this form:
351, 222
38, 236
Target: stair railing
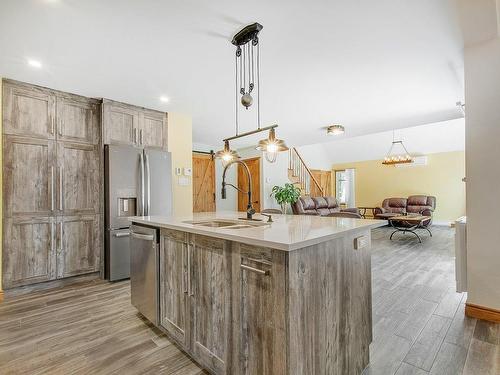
303, 174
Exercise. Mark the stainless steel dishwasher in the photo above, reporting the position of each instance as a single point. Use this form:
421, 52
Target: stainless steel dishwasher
144, 271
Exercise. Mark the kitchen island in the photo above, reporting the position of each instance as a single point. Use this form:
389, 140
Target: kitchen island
249, 297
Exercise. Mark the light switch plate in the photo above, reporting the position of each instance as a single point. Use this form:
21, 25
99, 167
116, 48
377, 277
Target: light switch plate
178, 171
183, 181
188, 171
360, 242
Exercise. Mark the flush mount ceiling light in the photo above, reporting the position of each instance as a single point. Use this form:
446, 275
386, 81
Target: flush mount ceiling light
164, 99
34, 63
394, 157
335, 130
247, 71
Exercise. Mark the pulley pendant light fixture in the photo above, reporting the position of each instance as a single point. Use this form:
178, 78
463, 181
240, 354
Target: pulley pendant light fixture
247, 78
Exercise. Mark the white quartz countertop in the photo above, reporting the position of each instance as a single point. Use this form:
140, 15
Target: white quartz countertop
286, 232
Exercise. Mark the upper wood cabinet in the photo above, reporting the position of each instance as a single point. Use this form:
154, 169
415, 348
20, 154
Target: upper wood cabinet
28, 110
135, 126
153, 129
120, 123
29, 176
78, 119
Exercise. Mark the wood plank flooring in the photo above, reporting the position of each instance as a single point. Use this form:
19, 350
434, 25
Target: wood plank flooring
86, 328
419, 323
419, 326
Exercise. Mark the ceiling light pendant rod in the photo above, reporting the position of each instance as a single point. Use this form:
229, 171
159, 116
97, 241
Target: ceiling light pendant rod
250, 132
258, 84
238, 52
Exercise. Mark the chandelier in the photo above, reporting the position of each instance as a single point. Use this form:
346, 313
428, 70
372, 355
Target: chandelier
394, 157
247, 79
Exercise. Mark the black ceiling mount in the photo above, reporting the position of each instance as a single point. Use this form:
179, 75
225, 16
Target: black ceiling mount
247, 34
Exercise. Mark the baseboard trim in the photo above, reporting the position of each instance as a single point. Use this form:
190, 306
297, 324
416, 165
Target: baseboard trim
483, 313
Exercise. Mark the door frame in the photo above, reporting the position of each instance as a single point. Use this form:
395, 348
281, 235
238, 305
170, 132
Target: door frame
260, 181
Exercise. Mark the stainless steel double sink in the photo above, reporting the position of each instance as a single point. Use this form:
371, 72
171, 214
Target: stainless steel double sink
226, 223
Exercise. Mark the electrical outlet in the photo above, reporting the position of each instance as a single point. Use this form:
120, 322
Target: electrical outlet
360, 242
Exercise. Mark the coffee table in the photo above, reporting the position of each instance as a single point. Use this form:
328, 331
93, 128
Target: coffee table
363, 213
409, 223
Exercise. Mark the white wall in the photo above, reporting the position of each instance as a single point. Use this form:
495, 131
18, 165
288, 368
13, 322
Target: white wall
482, 98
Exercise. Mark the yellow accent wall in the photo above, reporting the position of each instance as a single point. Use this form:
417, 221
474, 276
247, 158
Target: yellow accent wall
441, 177
180, 144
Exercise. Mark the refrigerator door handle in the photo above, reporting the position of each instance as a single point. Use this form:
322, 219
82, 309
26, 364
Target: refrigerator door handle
143, 211
148, 189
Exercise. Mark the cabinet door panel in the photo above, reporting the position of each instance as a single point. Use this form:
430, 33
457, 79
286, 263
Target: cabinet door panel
28, 251
79, 245
259, 311
152, 130
120, 124
173, 288
77, 120
79, 178
29, 176
210, 302
28, 110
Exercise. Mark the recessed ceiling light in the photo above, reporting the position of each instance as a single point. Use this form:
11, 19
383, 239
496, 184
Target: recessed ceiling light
34, 63
335, 130
164, 99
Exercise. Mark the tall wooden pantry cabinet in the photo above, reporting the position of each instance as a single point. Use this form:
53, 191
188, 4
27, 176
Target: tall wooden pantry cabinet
52, 181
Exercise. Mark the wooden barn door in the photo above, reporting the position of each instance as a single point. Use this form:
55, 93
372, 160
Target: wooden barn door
203, 183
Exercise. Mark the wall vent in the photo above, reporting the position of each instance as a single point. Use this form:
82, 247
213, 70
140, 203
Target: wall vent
418, 161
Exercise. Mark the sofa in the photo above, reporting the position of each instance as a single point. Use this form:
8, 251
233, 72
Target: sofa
415, 204
322, 206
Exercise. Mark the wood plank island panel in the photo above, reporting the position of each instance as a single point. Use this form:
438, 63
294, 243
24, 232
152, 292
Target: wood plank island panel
243, 309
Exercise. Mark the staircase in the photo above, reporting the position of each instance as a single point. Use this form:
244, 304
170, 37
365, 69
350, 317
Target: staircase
300, 175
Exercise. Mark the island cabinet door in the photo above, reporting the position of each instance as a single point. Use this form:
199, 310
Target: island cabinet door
210, 301
259, 320
174, 317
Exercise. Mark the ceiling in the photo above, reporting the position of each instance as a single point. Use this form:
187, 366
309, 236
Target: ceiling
446, 136
368, 65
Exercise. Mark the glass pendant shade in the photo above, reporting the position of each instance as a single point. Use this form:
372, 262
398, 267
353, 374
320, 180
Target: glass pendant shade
226, 154
271, 146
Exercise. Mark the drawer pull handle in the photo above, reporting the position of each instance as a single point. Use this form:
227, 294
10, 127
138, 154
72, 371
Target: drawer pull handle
122, 234
256, 270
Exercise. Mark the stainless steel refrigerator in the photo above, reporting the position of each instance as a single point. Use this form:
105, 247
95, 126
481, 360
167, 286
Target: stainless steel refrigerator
138, 182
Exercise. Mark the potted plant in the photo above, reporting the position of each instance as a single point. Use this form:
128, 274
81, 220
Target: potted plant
284, 195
